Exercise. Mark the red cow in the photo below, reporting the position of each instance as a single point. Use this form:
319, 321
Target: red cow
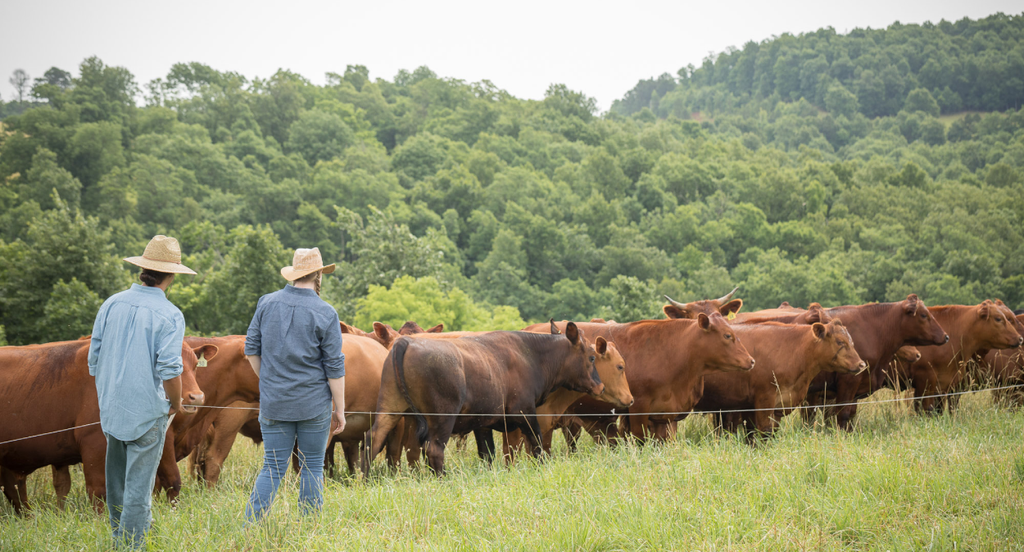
47, 389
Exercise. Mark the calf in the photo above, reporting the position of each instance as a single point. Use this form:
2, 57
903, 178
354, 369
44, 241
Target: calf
666, 361
972, 329
788, 358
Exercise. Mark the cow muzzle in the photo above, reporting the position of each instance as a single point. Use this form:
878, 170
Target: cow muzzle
864, 366
195, 400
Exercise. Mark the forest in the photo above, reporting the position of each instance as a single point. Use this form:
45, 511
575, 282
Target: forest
821, 167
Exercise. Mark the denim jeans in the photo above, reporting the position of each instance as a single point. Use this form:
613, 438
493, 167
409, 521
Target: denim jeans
279, 439
131, 472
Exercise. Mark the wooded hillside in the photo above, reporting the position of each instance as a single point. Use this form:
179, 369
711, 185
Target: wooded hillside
822, 167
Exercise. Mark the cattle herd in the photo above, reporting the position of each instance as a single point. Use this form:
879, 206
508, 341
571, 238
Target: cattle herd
411, 390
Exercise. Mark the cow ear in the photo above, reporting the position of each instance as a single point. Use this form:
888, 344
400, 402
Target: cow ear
732, 307
672, 311
703, 321
912, 302
554, 328
572, 333
983, 309
819, 329
601, 345
437, 329
814, 313
383, 333
205, 354
785, 305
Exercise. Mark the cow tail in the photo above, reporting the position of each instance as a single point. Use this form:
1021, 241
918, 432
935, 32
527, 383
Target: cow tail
397, 359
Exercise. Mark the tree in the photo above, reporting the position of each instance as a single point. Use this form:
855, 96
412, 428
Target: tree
921, 99
630, 299
61, 247
319, 136
19, 80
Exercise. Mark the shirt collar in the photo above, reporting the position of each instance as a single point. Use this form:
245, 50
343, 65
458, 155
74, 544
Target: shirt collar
149, 290
303, 291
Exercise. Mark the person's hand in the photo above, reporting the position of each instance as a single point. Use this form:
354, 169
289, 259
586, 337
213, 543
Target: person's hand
175, 407
338, 422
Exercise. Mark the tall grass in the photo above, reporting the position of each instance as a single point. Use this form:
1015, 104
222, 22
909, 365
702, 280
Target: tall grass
898, 482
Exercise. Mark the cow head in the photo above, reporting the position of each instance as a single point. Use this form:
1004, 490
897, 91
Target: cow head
1011, 317
384, 334
579, 363
412, 328
725, 352
908, 354
995, 327
918, 326
689, 311
191, 395
816, 314
611, 368
838, 345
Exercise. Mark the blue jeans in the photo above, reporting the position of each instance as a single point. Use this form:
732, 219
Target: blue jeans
131, 472
279, 439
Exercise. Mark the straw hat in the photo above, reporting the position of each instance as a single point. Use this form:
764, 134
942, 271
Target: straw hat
162, 254
305, 261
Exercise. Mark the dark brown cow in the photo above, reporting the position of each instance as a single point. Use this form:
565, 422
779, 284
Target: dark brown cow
878, 330
788, 358
666, 361
972, 329
47, 388
611, 368
499, 377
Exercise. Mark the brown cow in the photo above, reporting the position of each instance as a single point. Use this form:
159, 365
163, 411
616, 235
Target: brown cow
611, 368
879, 330
689, 311
498, 377
364, 359
1005, 367
207, 459
972, 329
666, 361
788, 358
47, 388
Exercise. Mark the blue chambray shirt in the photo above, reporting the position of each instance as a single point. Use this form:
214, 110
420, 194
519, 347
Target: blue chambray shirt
298, 339
136, 345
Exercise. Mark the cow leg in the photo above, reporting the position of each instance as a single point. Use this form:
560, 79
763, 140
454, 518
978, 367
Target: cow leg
382, 426
484, 444
351, 451
393, 448
660, 430
329, 456
511, 443
571, 432
545, 440
168, 477
439, 430
14, 489
93, 445
411, 442
61, 484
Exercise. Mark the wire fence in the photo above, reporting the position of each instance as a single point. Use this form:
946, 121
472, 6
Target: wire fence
611, 413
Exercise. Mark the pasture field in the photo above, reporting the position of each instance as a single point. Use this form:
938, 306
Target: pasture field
898, 482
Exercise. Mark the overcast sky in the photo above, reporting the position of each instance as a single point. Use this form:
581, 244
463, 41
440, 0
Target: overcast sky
598, 47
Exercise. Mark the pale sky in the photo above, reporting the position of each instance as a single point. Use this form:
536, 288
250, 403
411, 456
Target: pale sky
600, 48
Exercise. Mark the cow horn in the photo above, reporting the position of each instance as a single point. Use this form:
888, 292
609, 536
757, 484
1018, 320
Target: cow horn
674, 302
725, 298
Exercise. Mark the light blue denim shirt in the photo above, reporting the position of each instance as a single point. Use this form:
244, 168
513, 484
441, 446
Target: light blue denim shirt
136, 345
298, 339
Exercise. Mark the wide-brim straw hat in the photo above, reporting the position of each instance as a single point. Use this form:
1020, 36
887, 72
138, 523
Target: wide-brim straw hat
162, 254
304, 262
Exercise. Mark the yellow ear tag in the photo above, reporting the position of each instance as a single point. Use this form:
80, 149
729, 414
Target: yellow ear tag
202, 361
732, 315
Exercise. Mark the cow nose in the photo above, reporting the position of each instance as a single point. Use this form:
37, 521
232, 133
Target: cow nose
947, 339
752, 362
918, 357
1020, 341
196, 399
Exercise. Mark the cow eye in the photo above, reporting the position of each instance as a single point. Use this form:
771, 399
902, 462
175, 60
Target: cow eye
621, 367
591, 359
998, 319
728, 336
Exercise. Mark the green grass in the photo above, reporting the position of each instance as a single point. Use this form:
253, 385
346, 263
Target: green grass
898, 482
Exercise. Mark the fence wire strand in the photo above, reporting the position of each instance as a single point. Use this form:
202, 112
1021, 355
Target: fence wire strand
592, 415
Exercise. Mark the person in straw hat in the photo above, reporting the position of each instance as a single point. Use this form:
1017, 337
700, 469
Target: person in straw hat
294, 346
135, 356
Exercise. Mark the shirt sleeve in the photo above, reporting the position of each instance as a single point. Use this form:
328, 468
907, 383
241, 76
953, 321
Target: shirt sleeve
330, 348
97, 338
168, 348
253, 336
